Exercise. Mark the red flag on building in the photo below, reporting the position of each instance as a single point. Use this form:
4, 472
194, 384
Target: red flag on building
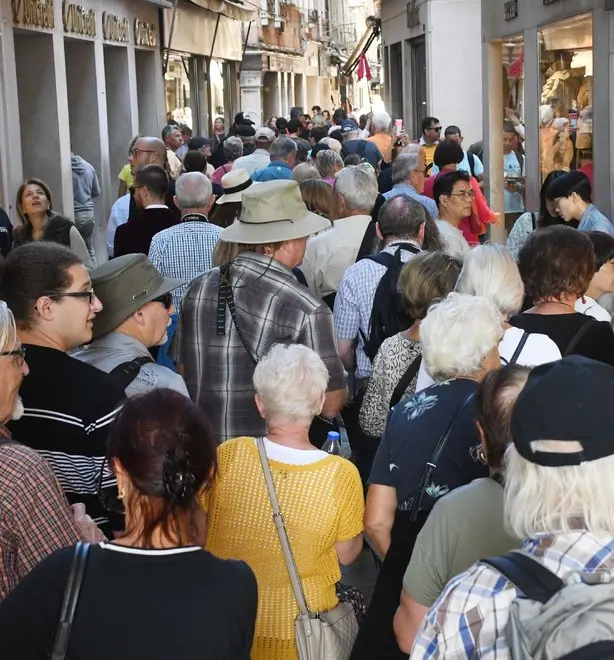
364, 70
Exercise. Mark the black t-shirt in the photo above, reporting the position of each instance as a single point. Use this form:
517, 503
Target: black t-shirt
178, 604
384, 180
596, 343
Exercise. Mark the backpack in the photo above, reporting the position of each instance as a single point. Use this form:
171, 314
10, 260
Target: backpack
360, 150
471, 160
388, 316
126, 372
555, 618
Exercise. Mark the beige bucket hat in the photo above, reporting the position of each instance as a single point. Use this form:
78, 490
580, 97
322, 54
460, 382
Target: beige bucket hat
273, 211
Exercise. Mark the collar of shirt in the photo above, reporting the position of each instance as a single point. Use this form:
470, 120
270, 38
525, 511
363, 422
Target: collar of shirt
391, 247
120, 343
280, 163
260, 152
194, 217
578, 550
424, 144
405, 186
264, 263
588, 211
156, 206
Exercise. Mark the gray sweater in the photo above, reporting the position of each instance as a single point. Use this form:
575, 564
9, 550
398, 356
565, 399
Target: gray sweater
85, 184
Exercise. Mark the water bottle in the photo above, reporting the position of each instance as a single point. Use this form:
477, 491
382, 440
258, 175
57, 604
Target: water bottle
332, 444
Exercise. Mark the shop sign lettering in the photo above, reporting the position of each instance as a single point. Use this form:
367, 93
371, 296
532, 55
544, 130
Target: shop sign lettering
79, 20
33, 13
510, 10
115, 28
145, 34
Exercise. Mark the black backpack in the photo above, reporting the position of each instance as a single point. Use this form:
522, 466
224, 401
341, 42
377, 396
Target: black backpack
388, 316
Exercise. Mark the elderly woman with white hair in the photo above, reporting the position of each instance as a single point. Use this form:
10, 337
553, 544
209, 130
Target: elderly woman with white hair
558, 497
328, 164
320, 497
460, 338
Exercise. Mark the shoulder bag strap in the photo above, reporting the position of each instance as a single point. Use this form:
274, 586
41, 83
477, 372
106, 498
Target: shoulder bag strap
533, 223
432, 464
406, 379
575, 340
126, 372
280, 526
533, 579
519, 348
69, 602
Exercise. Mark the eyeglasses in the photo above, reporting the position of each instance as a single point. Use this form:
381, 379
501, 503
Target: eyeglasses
137, 187
136, 152
90, 295
166, 300
464, 194
18, 354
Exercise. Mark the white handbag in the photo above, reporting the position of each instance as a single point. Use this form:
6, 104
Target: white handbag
321, 635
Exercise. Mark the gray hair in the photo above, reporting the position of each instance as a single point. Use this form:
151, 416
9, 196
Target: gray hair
491, 271
193, 190
457, 334
291, 381
357, 187
233, 148
328, 163
167, 130
405, 163
8, 330
282, 147
381, 121
335, 145
304, 171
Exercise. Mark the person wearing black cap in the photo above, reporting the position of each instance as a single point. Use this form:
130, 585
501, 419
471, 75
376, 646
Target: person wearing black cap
558, 497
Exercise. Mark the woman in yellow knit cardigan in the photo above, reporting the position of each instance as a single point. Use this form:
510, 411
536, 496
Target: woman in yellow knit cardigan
320, 496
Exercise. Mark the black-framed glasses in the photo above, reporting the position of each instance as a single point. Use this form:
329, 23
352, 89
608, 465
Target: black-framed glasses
166, 299
90, 295
437, 129
18, 354
136, 152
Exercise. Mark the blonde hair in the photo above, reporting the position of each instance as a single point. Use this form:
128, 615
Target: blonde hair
541, 499
335, 145
291, 381
318, 196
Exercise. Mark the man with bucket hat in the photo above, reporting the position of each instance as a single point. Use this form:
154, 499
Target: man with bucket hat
137, 308
232, 315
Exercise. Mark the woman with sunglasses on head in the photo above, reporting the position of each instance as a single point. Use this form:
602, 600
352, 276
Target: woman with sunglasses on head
136, 313
40, 223
153, 593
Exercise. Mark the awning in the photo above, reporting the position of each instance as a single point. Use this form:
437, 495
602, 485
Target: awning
373, 30
234, 10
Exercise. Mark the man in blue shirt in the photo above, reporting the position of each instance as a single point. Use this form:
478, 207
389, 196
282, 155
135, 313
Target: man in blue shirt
470, 163
352, 144
571, 193
283, 159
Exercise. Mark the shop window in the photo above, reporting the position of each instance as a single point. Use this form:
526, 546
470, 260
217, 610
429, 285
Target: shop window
513, 128
566, 89
177, 90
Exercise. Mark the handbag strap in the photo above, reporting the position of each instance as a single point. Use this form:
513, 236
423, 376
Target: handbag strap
280, 526
519, 348
69, 602
406, 379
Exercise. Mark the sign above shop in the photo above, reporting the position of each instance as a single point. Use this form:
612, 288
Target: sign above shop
33, 13
510, 10
115, 28
78, 20
145, 34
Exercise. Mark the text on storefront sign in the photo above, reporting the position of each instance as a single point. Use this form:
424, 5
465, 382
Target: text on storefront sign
34, 13
115, 28
79, 20
145, 34
510, 10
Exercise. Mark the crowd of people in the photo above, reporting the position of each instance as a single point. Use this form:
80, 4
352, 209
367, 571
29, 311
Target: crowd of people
267, 289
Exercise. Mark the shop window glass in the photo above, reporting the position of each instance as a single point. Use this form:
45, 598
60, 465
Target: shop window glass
177, 89
566, 92
513, 128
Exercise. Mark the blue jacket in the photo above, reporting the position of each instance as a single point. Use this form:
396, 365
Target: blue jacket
593, 220
278, 169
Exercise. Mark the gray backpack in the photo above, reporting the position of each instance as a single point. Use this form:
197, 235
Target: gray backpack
556, 619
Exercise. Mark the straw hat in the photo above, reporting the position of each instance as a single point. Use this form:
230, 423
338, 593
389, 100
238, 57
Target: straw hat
123, 286
234, 183
272, 212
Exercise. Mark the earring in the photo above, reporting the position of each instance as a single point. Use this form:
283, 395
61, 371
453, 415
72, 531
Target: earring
121, 494
482, 456
583, 299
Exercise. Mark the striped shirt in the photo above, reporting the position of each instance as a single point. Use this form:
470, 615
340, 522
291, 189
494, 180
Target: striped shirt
69, 406
271, 307
469, 618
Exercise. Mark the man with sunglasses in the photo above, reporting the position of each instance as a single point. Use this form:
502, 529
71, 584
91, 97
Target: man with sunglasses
431, 133
137, 309
68, 405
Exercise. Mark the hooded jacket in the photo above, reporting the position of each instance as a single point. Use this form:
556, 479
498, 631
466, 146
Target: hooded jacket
85, 184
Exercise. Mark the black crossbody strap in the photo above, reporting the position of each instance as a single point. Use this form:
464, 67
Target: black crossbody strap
69, 602
406, 379
533, 579
518, 351
126, 372
432, 464
575, 340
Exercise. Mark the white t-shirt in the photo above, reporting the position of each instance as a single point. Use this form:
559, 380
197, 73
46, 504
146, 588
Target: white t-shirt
537, 350
592, 308
292, 456
455, 244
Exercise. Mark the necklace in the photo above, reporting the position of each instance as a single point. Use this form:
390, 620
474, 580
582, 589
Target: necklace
555, 302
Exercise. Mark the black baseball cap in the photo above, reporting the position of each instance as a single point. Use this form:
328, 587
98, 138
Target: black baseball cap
570, 400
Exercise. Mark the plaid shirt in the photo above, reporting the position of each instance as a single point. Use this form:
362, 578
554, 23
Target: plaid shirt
271, 307
469, 618
35, 519
184, 251
354, 302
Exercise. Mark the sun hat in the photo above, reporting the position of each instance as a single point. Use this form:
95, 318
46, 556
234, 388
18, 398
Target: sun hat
272, 212
265, 134
569, 400
123, 285
234, 183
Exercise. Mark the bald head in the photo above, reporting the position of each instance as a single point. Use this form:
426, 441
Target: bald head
150, 151
193, 193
